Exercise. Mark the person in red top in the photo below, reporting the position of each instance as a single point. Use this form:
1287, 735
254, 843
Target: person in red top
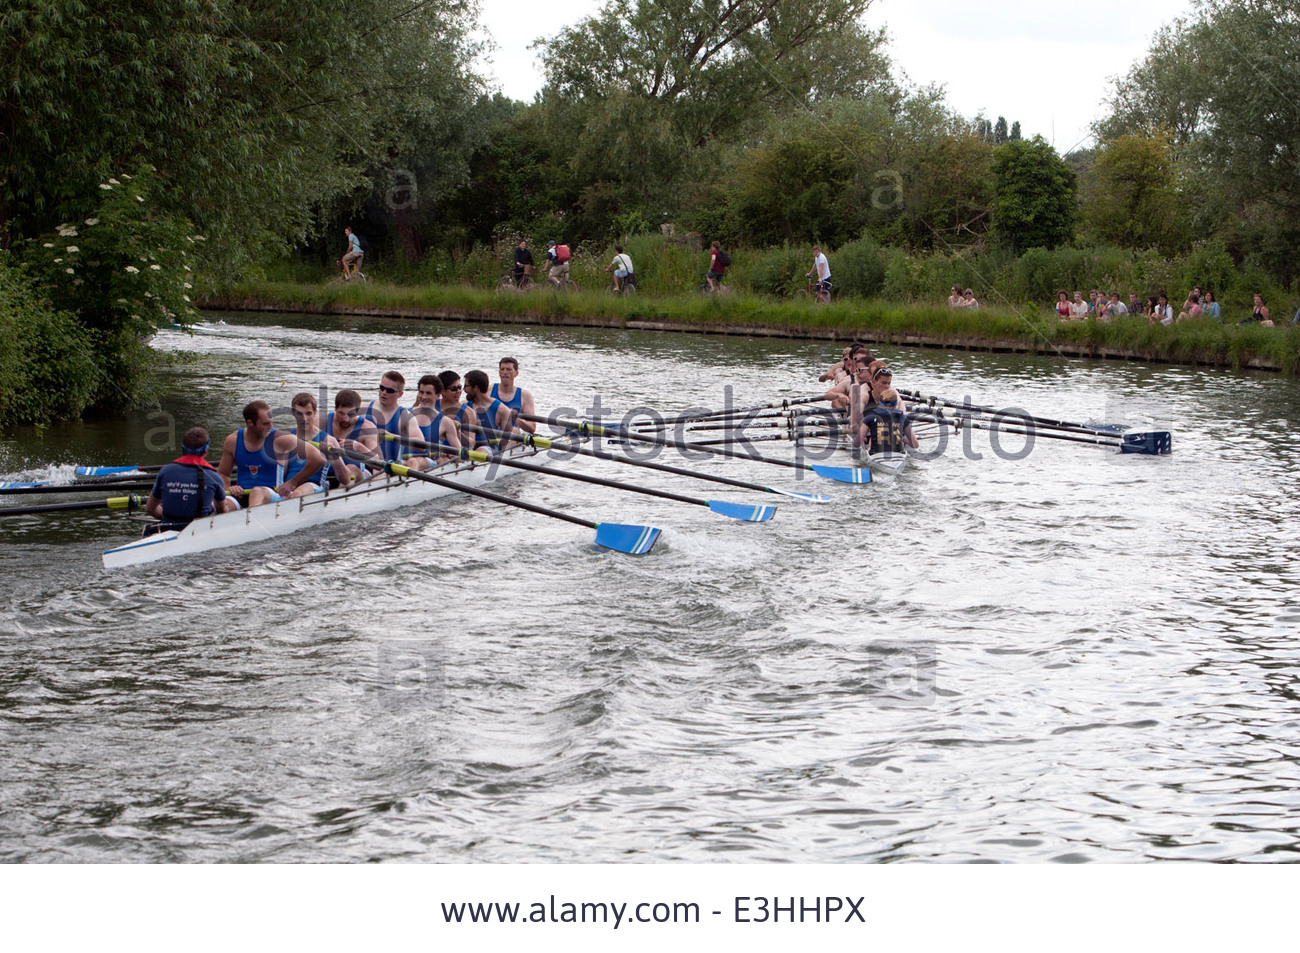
188, 488
716, 268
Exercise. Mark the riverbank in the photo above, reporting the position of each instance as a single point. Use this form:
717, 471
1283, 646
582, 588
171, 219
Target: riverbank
875, 322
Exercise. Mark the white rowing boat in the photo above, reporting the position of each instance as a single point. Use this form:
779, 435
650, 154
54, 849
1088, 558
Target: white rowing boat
279, 519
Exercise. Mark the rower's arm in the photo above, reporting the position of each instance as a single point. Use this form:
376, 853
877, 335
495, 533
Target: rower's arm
227, 465
526, 406
287, 444
338, 463
153, 506
449, 433
837, 397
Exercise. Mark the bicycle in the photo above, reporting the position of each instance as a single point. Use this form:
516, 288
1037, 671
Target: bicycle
719, 289
629, 286
508, 284
358, 273
565, 284
815, 291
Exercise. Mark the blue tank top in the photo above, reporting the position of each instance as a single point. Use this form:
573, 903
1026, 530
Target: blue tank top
488, 421
393, 450
260, 468
514, 403
296, 463
430, 429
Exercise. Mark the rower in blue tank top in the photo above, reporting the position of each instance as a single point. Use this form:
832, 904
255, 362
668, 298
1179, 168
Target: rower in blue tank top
251, 457
303, 406
390, 417
464, 414
353, 431
517, 399
257, 467
477, 393
437, 428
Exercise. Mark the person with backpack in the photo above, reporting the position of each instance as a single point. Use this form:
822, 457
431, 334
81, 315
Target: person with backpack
354, 256
719, 261
557, 261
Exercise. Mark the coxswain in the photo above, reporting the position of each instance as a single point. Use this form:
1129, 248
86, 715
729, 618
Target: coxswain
187, 488
391, 417
478, 394
463, 414
253, 454
353, 431
515, 398
308, 427
435, 426
885, 427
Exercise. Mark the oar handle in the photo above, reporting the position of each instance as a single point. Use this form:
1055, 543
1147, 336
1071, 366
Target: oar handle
128, 503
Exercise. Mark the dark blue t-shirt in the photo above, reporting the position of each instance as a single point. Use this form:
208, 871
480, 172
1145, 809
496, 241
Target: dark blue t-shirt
177, 485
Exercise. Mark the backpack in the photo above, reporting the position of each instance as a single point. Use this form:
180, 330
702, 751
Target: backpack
365, 245
561, 253
724, 259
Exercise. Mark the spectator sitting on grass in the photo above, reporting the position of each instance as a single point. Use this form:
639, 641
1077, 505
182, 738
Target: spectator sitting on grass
1193, 311
968, 300
1211, 307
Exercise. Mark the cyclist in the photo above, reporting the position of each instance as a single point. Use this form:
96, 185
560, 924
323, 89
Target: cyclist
622, 268
823, 270
523, 263
718, 262
556, 270
353, 257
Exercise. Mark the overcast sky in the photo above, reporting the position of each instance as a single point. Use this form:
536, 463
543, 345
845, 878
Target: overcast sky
1046, 65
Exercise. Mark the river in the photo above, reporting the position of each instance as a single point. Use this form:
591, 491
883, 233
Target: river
1072, 656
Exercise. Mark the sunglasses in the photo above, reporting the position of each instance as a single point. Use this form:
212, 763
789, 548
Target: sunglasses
453, 387
388, 390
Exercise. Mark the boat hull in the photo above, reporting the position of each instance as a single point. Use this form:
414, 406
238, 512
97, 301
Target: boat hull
257, 523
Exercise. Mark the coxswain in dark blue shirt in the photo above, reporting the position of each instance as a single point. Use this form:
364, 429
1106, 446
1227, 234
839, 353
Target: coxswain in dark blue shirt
187, 488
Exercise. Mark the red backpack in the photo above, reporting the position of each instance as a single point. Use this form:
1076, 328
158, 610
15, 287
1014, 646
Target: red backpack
561, 253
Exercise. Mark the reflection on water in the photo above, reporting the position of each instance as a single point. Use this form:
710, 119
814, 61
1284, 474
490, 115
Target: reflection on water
1074, 656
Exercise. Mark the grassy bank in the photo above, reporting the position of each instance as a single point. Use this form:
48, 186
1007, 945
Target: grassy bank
872, 320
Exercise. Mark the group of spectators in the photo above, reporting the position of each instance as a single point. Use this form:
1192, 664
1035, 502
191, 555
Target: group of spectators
1156, 308
962, 299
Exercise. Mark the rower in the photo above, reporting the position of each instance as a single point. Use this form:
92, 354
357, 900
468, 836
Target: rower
517, 399
391, 417
352, 431
885, 427
308, 427
844, 369
463, 415
840, 395
487, 408
254, 454
435, 426
188, 488
882, 380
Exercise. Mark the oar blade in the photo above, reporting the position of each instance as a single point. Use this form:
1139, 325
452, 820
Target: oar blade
742, 511
1153, 442
842, 474
625, 538
104, 471
805, 497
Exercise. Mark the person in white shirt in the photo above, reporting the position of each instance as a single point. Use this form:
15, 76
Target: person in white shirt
1078, 307
621, 266
822, 268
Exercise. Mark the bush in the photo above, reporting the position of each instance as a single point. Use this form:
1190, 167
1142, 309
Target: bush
777, 271
859, 269
47, 360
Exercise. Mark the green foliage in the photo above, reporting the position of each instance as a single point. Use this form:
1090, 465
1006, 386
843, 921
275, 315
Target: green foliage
1035, 204
777, 271
47, 363
1132, 197
858, 269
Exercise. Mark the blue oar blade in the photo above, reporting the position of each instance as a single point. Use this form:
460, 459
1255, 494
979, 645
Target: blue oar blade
1152, 442
104, 471
805, 497
623, 538
842, 474
21, 486
742, 511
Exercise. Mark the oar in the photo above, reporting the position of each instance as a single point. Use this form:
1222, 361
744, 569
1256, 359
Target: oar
113, 471
620, 537
129, 503
541, 443
584, 428
1112, 429
733, 412
1148, 442
735, 511
19, 490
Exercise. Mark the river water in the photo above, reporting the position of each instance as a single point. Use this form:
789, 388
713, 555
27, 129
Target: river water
1072, 656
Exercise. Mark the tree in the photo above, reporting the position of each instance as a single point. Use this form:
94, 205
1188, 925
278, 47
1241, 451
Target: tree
1132, 197
1034, 204
1015, 130
1000, 134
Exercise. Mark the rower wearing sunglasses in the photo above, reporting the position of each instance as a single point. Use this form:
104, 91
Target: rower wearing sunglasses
391, 417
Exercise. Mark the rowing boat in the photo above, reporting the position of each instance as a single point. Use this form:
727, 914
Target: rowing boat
257, 523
